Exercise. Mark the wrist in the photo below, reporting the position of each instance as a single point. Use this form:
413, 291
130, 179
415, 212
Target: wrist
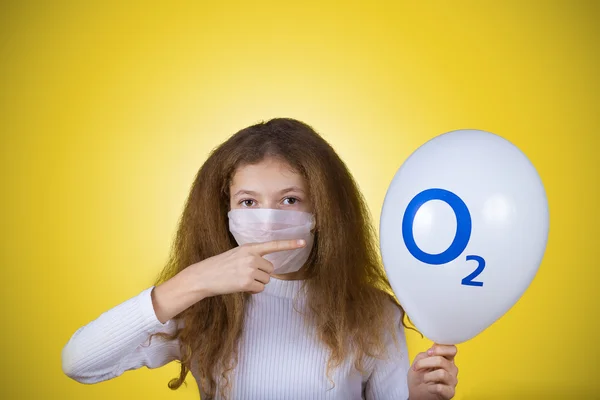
174, 296
413, 394
195, 283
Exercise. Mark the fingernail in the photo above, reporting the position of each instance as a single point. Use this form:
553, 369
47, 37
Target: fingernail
301, 242
430, 352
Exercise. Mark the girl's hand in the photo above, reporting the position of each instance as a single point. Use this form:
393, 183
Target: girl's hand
241, 269
433, 375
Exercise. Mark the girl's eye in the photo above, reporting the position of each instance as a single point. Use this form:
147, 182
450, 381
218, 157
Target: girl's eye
290, 200
247, 203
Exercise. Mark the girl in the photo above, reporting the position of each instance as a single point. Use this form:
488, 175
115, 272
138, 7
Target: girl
274, 288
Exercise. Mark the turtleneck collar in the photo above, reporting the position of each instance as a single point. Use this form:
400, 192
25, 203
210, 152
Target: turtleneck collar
283, 288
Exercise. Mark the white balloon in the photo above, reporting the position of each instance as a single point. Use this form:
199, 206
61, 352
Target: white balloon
463, 230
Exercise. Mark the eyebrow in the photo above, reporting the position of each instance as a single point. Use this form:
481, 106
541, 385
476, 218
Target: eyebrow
281, 192
291, 189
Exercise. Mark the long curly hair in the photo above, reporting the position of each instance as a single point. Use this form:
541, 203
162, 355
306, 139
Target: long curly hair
346, 286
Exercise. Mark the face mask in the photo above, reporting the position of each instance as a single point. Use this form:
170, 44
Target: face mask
264, 224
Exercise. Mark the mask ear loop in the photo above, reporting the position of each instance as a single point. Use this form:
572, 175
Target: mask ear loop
313, 229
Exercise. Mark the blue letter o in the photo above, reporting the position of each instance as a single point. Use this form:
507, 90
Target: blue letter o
463, 226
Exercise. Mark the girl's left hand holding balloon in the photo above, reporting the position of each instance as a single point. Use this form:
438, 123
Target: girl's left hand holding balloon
433, 375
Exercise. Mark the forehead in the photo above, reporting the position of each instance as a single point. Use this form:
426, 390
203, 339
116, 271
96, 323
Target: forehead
268, 173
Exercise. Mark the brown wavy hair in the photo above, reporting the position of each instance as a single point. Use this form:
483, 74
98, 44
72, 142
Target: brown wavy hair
348, 291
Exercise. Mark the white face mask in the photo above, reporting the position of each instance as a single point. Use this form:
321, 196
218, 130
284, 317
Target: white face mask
252, 225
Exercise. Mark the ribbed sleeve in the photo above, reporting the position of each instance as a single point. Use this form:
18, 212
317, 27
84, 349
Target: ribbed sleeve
116, 341
388, 379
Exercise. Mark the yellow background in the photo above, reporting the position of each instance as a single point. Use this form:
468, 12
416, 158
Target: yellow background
108, 110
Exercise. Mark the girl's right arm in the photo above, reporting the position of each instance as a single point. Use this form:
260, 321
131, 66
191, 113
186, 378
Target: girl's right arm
117, 340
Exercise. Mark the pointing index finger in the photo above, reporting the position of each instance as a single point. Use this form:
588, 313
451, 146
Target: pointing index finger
277, 245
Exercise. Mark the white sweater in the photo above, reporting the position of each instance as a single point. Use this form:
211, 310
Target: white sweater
280, 358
